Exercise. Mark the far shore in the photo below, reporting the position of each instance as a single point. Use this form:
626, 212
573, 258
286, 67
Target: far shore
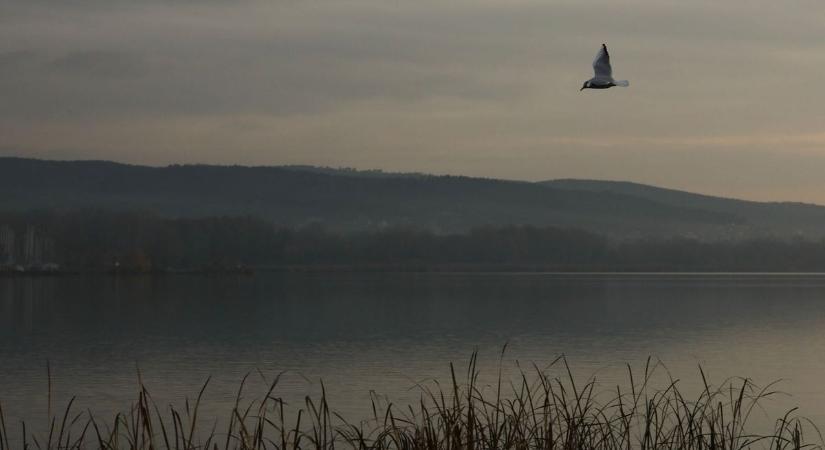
407, 268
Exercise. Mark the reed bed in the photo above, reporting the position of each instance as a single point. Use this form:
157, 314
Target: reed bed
534, 411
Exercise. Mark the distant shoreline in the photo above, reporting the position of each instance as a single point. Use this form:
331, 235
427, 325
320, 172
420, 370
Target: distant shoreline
445, 269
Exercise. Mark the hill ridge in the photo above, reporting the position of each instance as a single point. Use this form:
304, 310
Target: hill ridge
351, 199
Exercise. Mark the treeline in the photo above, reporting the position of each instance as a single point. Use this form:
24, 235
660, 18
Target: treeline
94, 240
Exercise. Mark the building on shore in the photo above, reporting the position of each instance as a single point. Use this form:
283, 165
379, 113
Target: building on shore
37, 249
8, 249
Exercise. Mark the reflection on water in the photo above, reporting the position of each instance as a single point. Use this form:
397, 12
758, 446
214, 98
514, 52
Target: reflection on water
385, 332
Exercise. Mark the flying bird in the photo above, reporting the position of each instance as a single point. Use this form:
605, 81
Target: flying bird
603, 78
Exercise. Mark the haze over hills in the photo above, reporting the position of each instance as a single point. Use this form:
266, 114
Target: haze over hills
793, 217
344, 199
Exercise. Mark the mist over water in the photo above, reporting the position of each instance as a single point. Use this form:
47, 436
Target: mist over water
383, 333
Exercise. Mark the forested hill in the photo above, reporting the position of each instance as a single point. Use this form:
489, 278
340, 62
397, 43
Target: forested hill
794, 217
353, 200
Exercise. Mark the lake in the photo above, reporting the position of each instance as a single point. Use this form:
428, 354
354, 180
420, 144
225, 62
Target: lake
382, 333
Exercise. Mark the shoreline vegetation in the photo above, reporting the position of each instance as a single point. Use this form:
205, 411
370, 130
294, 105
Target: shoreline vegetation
55, 243
397, 269
537, 410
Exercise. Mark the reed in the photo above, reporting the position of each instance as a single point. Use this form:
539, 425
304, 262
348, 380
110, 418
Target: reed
534, 411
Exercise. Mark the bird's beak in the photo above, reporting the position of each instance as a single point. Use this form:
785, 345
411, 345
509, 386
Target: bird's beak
581, 89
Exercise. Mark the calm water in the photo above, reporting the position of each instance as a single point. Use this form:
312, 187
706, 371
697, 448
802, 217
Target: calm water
385, 332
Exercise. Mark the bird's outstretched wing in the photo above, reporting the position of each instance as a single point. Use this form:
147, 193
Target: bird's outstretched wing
601, 65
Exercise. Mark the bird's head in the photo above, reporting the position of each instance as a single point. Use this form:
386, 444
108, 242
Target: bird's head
585, 86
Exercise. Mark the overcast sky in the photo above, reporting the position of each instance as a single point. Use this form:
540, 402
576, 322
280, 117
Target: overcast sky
726, 98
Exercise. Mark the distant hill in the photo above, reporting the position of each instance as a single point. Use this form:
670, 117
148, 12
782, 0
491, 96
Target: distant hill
781, 217
354, 200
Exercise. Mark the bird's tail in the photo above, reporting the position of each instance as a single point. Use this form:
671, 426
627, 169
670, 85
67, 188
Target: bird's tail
622, 83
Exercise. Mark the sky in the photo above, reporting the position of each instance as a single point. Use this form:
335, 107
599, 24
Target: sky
725, 98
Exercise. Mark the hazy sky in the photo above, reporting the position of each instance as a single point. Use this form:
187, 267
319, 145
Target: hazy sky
726, 97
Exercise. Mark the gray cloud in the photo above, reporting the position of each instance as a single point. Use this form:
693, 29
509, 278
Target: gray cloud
205, 66
97, 65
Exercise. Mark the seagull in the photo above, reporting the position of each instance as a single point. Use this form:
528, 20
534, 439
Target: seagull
603, 78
